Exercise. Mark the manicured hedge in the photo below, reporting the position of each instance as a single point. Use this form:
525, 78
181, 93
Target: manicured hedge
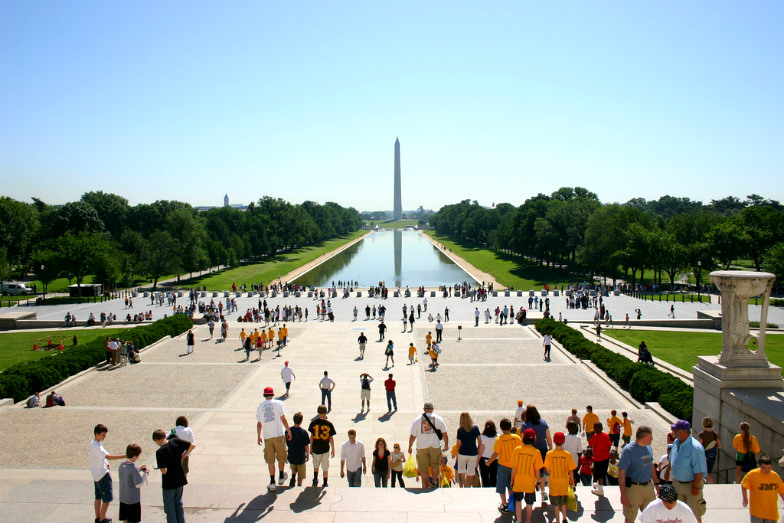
22, 380
643, 382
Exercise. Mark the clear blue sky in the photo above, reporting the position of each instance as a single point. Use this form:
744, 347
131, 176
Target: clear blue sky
493, 101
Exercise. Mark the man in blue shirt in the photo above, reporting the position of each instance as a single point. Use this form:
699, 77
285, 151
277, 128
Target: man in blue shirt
635, 471
688, 467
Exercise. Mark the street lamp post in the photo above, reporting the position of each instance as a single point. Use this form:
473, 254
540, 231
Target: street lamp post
699, 275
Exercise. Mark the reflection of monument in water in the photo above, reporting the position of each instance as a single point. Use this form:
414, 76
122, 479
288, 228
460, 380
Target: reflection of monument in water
397, 210
740, 384
398, 247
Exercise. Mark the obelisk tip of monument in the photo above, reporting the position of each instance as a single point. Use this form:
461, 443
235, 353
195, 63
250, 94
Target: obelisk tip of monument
396, 140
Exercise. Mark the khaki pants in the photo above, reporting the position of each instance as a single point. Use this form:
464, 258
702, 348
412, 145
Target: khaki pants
639, 497
696, 502
428, 457
275, 448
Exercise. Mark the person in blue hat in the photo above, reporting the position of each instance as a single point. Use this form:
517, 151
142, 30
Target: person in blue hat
688, 467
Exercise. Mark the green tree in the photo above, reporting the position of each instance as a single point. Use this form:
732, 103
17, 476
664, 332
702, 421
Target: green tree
113, 210
161, 256
18, 226
79, 254
774, 261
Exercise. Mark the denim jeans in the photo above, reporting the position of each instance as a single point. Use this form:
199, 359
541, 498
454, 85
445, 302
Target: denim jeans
172, 505
399, 475
380, 479
326, 394
354, 477
391, 400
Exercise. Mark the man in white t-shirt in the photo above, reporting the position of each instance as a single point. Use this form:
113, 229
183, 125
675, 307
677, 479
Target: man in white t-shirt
99, 468
326, 385
273, 429
352, 458
667, 508
428, 443
547, 341
518, 422
286, 374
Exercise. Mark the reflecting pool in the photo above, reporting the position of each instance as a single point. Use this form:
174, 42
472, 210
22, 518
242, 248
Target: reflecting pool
399, 258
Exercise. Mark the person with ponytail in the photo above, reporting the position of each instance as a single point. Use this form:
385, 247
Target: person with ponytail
746, 449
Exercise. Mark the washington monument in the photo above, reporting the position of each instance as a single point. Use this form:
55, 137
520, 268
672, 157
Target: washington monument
398, 208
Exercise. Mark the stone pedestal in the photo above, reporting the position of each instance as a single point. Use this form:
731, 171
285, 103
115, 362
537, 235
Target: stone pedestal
740, 384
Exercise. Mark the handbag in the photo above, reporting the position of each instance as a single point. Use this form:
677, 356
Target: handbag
410, 468
571, 500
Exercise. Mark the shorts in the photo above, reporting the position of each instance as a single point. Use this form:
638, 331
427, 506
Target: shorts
600, 469
130, 512
288, 385
321, 461
639, 498
275, 448
466, 465
529, 497
626, 439
558, 501
503, 476
429, 457
364, 395
299, 469
103, 488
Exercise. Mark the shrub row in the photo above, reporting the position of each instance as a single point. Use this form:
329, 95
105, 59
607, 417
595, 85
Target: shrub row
21, 380
643, 382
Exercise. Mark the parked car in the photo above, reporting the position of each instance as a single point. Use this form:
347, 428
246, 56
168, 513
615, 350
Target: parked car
15, 289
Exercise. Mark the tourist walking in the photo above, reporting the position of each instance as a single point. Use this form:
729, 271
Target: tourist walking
389, 352
381, 465
191, 341
746, 448
428, 430
365, 380
439, 331
298, 450
169, 458
488, 472
544, 442
711, 443
99, 468
688, 468
381, 330
547, 341
389, 386
326, 385
362, 340
636, 474
469, 446
287, 375
503, 449
352, 460
600, 444
667, 508
396, 460
272, 429
323, 444
764, 485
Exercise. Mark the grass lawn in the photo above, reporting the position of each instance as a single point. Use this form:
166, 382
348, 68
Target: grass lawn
17, 347
267, 271
682, 348
508, 270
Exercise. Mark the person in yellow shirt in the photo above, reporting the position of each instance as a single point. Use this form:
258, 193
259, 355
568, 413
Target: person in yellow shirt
526, 464
559, 464
243, 335
411, 353
429, 338
502, 451
589, 420
746, 447
627, 428
614, 428
270, 337
763, 484
283, 334
263, 337
447, 474
253, 337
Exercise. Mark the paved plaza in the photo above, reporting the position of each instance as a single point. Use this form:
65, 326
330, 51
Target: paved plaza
43, 456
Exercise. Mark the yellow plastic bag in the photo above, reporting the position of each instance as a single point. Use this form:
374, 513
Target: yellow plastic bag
410, 468
571, 500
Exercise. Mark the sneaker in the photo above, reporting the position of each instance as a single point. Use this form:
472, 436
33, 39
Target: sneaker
282, 479
271, 487
597, 490
315, 482
503, 509
324, 484
291, 482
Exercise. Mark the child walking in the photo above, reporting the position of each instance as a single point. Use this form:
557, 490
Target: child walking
131, 480
526, 464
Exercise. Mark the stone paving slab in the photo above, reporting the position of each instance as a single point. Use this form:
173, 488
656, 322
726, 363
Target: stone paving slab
60, 437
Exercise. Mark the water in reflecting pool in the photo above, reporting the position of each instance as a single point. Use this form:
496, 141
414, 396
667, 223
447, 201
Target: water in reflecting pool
398, 258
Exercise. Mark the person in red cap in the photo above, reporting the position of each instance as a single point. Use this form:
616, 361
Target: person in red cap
286, 374
526, 464
272, 429
559, 464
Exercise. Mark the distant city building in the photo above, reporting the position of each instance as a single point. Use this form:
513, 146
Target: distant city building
226, 200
